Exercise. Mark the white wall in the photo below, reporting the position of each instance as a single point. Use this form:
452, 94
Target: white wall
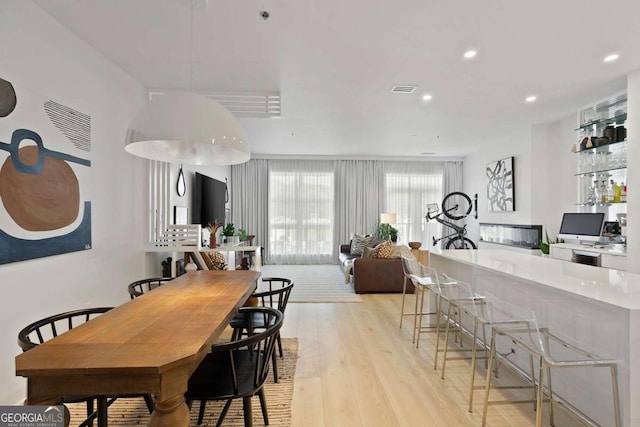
633, 172
39, 54
545, 184
553, 165
153, 261
516, 144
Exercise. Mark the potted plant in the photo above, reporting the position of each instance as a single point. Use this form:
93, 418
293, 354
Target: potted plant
545, 246
387, 232
393, 234
228, 231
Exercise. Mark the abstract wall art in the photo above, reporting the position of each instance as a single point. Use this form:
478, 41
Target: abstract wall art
500, 186
44, 150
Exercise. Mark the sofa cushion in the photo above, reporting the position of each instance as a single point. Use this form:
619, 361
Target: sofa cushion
368, 252
358, 243
383, 250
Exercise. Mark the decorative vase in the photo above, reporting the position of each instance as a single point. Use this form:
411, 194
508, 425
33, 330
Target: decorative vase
213, 229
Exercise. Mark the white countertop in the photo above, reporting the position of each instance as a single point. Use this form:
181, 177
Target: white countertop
616, 250
619, 288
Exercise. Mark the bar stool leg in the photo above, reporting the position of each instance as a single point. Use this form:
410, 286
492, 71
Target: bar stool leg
404, 292
487, 386
424, 290
540, 397
446, 341
533, 380
473, 364
415, 317
551, 421
438, 306
616, 396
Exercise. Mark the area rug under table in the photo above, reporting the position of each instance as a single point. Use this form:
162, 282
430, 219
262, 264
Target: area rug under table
314, 283
133, 412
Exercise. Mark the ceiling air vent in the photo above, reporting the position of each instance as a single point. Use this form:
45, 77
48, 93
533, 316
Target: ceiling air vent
403, 88
244, 104
256, 105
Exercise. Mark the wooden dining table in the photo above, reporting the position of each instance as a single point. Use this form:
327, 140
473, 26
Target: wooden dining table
149, 345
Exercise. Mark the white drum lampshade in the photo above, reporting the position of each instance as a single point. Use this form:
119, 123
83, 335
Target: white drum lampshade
186, 128
388, 218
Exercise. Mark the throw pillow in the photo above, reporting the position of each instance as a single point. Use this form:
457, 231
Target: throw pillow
384, 250
368, 252
402, 251
358, 243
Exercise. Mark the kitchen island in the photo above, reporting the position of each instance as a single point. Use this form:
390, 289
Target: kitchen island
597, 308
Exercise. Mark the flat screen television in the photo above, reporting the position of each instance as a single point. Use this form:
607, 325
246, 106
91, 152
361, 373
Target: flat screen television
582, 226
209, 200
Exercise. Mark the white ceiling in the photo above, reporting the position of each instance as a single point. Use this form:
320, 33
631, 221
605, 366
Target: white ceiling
334, 62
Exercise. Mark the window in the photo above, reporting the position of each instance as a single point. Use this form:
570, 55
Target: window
409, 187
301, 212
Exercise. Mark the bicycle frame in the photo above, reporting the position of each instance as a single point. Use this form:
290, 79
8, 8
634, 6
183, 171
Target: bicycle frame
459, 231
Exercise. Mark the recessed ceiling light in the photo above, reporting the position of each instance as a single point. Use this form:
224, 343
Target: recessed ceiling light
470, 54
611, 58
531, 98
427, 97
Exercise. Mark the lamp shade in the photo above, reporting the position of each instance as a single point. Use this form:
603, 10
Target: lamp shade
388, 218
187, 128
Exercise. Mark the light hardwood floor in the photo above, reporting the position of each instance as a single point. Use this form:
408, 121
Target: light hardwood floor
356, 367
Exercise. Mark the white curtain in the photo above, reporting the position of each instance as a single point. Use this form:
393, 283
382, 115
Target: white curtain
249, 200
451, 177
359, 198
409, 187
301, 212
451, 182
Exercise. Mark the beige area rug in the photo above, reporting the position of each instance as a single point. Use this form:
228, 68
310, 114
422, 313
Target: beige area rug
133, 412
314, 283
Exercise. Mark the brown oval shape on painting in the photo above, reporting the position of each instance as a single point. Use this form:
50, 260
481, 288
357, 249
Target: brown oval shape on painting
8, 98
40, 202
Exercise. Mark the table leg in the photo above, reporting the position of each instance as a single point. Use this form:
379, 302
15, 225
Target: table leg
257, 259
172, 412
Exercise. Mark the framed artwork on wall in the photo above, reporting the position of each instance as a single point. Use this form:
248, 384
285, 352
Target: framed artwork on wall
45, 159
500, 186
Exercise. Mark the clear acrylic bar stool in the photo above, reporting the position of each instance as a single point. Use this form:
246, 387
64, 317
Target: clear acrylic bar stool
494, 312
459, 299
406, 270
423, 279
488, 312
552, 352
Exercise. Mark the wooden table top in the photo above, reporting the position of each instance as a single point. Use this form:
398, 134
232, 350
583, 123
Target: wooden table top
171, 327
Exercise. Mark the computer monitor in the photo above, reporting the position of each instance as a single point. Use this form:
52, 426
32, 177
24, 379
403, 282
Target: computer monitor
582, 226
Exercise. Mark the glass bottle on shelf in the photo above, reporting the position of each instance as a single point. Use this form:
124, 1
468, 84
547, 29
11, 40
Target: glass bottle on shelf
611, 191
603, 191
591, 196
617, 193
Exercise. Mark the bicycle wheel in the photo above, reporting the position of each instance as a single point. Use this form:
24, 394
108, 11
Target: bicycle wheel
460, 243
456, 205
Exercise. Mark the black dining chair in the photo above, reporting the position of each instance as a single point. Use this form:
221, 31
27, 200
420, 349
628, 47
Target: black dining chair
50, 327
243, 324
141, 287
237, 369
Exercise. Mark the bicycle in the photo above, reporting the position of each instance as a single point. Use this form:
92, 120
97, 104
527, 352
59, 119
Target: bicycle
455, 206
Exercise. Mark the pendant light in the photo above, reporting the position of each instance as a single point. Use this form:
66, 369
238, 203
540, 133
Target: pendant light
183, 127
